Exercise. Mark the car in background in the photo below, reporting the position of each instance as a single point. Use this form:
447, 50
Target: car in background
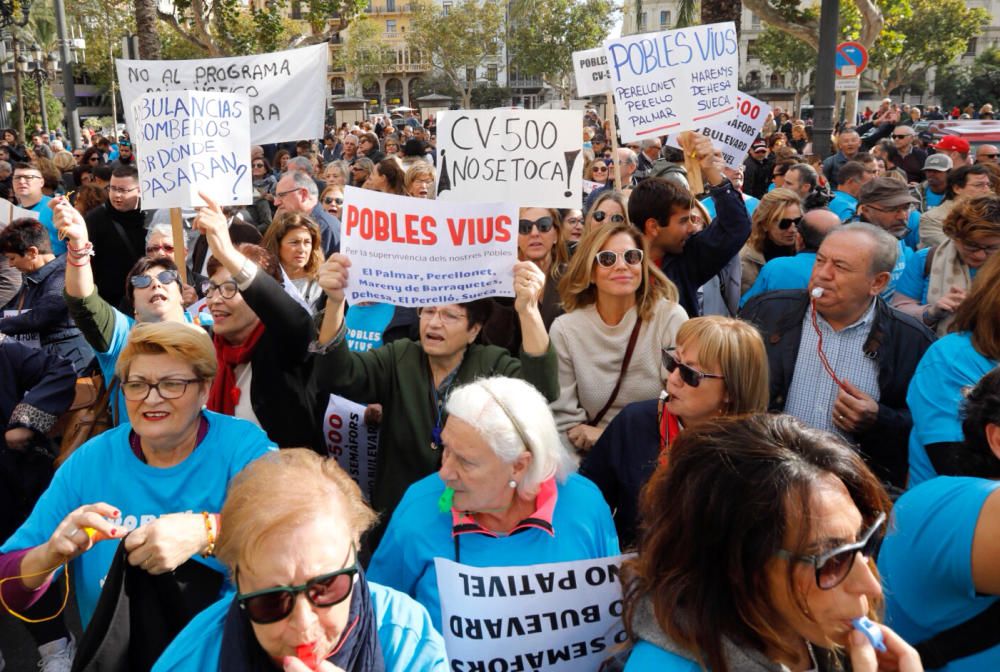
975, 131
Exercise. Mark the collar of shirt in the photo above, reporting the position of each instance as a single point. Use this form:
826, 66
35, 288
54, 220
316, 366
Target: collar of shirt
541, 519
865, 320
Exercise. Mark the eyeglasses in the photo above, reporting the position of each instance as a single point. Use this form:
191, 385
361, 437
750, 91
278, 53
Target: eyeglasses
153, 249
259, 165
692, 377
227, 288
786, 223
608, 258
26, 178
274, 604
142, 281
282, 194
544, 224
573, 221
835, 565
168, 388
448, 318
896, 208
987, 156
94, 159
901, 136
599, 169
330, 200
600, 216
973, 248
121, 190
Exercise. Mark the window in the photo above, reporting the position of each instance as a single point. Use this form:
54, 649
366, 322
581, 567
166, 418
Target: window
971, 48
754, 20
390, 5
664, 18
470, 74
390, 27
752, 49
445, 7
642, 21
491, 73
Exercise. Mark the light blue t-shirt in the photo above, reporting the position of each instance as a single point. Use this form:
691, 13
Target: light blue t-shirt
926, 563
419, 532
935, 396
912, 237
106, 470
751, 203
366, 323
45, 217
932, 200
646, 656
913, 283
782, 273
843, 205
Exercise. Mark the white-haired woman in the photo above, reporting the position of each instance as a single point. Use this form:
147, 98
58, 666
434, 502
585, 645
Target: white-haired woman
506, 495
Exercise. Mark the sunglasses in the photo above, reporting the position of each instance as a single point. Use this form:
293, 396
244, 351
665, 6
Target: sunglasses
608, 258
900, 137
788, 222
544, 224
330, 200
599, 169
692, 377
143, 281
153, 249
259, 165
987, 156
600, 216
835, 565
274, 604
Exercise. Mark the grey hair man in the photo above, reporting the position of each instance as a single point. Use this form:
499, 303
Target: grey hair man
297, 192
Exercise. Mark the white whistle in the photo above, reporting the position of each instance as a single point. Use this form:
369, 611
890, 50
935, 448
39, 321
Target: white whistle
816, 292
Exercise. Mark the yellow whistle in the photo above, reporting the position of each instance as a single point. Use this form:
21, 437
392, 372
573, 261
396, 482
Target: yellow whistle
90, 531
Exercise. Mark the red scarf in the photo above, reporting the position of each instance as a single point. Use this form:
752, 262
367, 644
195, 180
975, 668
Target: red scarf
669, 429
224, 394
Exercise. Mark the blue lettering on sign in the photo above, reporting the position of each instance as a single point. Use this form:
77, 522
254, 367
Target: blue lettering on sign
172, 177
671, 49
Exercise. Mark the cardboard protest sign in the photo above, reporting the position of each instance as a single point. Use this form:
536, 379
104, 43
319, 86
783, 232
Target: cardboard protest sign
9, 212
591, 69
191, 141
418, 252
285, 88
558, 617
734, 137
350, 441
527, 157
675, 80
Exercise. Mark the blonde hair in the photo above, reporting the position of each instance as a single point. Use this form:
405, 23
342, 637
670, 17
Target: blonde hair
768, 213
184, 342
577, 290
285, 223
607, 195
737, 350
416, 170
279, 492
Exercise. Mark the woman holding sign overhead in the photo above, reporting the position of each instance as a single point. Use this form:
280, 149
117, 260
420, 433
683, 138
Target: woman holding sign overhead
412, 380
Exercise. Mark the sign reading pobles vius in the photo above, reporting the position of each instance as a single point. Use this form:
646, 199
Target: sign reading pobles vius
419, 252
734, 137
191, 141
282, 87
675, 80
591, 69
529, 157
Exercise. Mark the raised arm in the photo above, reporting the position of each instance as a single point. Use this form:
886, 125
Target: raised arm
71, 226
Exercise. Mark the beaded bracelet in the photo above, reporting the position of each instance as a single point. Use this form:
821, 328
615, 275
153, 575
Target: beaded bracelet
210, 532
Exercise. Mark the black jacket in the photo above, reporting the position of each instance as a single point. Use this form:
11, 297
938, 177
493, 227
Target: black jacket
757, 175
707, 252
116, 248
896, 341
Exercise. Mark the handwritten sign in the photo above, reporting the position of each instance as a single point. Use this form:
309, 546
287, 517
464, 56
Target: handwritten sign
350, 443
191, 141
558, 617
591, 69
283, 87
734, 137
418, 252
675, 80
527, 157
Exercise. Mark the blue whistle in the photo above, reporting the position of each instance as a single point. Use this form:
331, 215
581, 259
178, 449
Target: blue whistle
866, 627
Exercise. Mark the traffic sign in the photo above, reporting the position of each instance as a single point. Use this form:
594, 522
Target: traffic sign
851, 54
846, 84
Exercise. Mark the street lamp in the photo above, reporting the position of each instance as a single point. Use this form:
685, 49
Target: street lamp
39, 70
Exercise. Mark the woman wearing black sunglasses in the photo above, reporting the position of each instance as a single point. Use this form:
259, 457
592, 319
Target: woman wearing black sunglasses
756, 554
775, 223
293, 526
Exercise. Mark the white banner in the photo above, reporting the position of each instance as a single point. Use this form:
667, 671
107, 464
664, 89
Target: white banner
286, 88
735, 136
557, 617
9, 212
675, 80
591, 69
527, 157
350, 442
191, 141
31, 339
418, 252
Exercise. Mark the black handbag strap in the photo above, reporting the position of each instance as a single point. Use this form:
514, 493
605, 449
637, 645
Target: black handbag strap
621, 374
979, 633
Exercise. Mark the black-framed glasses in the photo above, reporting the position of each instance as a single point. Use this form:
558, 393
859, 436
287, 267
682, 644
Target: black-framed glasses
142, 281
901, 136
26, 178
282, 194
600, 216
544, 224
227, 288
608, 258
274, 604
330, 200
786, 223
168, 388
987, 156
259, 165
833, 566
691, 376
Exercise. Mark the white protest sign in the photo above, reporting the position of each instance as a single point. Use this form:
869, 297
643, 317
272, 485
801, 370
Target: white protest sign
734, 137
527, 157
30, 339
558, 617
9, 212
591, 69
285, 88
674, 80
418, 252
350, 442
590, 187
191, 141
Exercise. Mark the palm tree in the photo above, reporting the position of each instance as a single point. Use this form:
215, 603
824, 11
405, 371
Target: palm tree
686, 13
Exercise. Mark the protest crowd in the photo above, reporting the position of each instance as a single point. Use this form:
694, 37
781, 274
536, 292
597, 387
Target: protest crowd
741, 405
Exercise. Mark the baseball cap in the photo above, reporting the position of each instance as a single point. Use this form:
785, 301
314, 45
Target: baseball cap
940, 162
758, 144
885, 191
951, 143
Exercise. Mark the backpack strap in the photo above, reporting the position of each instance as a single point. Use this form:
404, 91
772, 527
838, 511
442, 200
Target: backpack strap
979, 633
929, 260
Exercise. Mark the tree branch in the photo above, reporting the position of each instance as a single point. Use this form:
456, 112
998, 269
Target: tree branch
172, 21
807, 31
872, 22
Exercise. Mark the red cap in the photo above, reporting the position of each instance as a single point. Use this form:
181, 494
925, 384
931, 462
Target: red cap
953, 143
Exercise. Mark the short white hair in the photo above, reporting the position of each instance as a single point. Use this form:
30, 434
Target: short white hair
159, 229
503, 410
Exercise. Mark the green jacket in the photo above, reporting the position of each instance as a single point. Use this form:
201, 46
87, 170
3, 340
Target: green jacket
397, 376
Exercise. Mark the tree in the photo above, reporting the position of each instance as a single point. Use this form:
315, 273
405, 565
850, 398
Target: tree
781, 51
458, 41
802, 22
148, 29
718, 11
959, 85
366, 54
543, 34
